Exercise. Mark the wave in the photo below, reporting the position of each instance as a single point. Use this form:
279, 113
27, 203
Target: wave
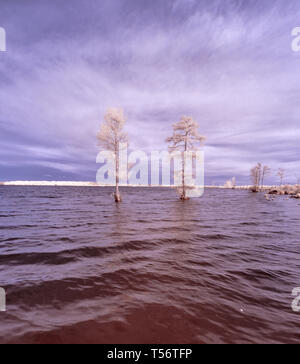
159, 271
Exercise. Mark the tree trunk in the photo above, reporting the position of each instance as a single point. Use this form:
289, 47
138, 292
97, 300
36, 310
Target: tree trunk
184, 196
117, 192
183, 177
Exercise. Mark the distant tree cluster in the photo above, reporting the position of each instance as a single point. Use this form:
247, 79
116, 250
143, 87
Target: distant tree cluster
259, 173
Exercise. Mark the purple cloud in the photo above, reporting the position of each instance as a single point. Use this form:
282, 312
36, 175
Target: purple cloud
229, 64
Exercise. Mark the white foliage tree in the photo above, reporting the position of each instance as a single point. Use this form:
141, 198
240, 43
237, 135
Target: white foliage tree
185, 138
231, 183
110, 137
266, 171
281, 175
256, 174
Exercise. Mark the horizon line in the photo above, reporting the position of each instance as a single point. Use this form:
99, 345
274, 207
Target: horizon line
95, 184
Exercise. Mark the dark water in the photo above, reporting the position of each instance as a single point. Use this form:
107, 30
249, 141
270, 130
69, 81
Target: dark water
79, 269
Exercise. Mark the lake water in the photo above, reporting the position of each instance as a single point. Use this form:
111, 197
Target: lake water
79, 269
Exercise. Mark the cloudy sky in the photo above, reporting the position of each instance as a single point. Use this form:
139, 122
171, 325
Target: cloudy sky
228, 63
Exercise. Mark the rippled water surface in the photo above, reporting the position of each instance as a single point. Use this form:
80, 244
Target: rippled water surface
79, 269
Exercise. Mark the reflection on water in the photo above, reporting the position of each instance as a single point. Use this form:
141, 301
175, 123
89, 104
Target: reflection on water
78, 268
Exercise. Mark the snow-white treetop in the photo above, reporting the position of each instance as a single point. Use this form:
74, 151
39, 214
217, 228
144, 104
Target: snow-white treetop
111, 131
186, 135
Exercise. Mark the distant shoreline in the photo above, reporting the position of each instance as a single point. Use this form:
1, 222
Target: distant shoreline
95, 184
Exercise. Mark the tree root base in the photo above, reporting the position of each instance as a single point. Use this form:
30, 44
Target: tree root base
118, 198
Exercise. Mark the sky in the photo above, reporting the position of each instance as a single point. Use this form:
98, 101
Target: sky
229, 64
